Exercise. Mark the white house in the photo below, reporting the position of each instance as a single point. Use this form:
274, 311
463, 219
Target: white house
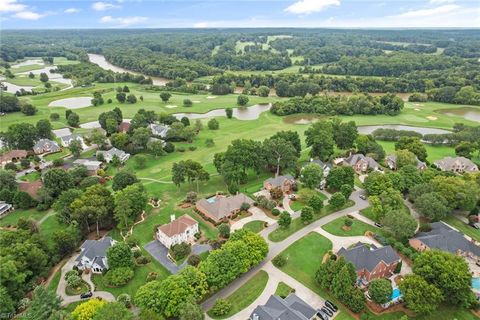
93, 255
159, 130
177, 231
66, 140
108, 155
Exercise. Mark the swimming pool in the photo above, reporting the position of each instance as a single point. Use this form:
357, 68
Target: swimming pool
476, 283
212, 199
396, 293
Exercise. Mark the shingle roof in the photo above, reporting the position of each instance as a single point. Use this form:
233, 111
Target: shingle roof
278, 181
393, 158
364, 257
42, 143
95, 248
449, 163
290, 308
159, 129
71, 137
13, 154
222, 206
354, 158
177, 226
444, 238
90, 164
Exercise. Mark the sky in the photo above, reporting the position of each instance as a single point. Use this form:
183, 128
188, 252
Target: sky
57, 14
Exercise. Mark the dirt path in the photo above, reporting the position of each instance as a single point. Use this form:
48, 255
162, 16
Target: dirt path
129, 233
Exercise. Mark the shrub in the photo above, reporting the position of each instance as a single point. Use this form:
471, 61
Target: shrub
221, 307
187, 103
179, 251
125, 299
71, 273
152, 276
54, 116
348, 222
119, 276
181, 149
224, 230
194, 260
213, 124
275, 211
191, 197
192, 148
74, 281
11, 166
58, 162
276, 193
169, 147
245, 206
143, 260
279, 261
209, 143
136, 253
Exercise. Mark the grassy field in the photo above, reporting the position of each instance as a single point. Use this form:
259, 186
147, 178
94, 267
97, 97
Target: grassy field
283, 290
434, 152
297, 224
303, 194
12, 217
255, 226
245, 295
358, 228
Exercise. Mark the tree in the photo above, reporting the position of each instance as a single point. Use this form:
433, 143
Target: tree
185, 121
459, 193
75, 148
465, 149
28, 109
187, 103
263, 91
414, 145
401, 224
165, 96
21, 136
131, 98
290, 136
405, 158
121, 97
43, 77
420, 296
242, 100
339, 176
56, 181
156, 147
224, 230
113, 310
345, 134
213, 124
87, 310
284, 219
229, 112
63, 202
306, 214
140, 137
123, 179
337, 200
120, 256
376, 182
311, 175
44, 128
6, 307
73, 119
320, 137
316, 202
129, 203
196, 280
43, 304
190, 310
221, 307
447, 272
343, 281
380, 290
279, 153
73, 281
120, 140
432, 205
54, 116
65, 241
346, 190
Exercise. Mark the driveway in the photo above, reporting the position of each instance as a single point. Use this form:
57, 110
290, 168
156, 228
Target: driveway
160, 252
257, 215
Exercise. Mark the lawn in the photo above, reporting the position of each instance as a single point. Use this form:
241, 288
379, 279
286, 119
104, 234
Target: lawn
75, 292
434, 152
368, 213
281, 234
283, 290
12, 218
303, 196
30, 177
463, 227
245, 295
57, 155
358, 228
255, 226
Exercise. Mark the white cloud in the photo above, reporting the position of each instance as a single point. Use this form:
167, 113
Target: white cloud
11, 6
29, 15
441, 1
71, 10
430, 12
123, 21
310, 6
102, 6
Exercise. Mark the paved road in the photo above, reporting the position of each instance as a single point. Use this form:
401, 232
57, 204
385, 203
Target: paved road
257, 215
276, 247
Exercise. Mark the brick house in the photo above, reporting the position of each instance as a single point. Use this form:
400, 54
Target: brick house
360, 163
371, 262
220, 207
181, 230
391, 161
12, 156
457, 165
286, 183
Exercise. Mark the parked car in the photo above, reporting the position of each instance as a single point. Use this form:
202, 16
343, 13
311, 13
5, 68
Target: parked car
363, 197
327, 311
86, 295
292, 197
378, 225
331, 305
329, 308
322, 315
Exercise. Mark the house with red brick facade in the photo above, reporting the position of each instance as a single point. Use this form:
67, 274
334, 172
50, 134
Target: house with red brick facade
371, 262
286, 183
220, 207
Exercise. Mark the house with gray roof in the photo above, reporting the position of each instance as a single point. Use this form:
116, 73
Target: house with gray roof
66, 140
290, 308
108, 155
93, 255
92, 165
391, 161
220, 207
46, 146
457, 165
445, 238
159, 130
286, 183
326, 166
5, 208
371, 262
361, 163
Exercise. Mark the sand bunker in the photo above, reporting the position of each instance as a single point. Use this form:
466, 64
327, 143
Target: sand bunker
432, 118
416, 109
211, 97
72, 103
171, 106
196, 101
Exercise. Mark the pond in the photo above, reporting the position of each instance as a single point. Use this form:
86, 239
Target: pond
100, 60
469, 113
421, 130
242, 113
301, 118
72, 103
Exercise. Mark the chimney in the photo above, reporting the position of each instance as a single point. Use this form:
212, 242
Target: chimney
172, 217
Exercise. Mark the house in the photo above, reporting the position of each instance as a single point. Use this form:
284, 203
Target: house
93, 255
66, 140
12, 156
327, 167
392, 162
5, 208
220, 207
371, 262
290, 308
124, 127
286, 183
443, 237
108, 155
92, 165
457, 164
45, 146
181, 230
360, 163
159, 130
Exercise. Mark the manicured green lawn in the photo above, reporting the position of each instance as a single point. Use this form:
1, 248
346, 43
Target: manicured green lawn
283, 290
30, 177
255, 226
12, 217
463, 227
434, 152
57, 155
297, 223
245, 295
75, 292
303, 195
358, 228
367, 212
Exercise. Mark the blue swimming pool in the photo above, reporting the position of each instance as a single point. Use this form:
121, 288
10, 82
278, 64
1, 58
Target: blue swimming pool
476, 283
212, 199
396, 293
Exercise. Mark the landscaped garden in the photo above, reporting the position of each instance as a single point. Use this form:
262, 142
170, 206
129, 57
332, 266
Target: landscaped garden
338, 227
